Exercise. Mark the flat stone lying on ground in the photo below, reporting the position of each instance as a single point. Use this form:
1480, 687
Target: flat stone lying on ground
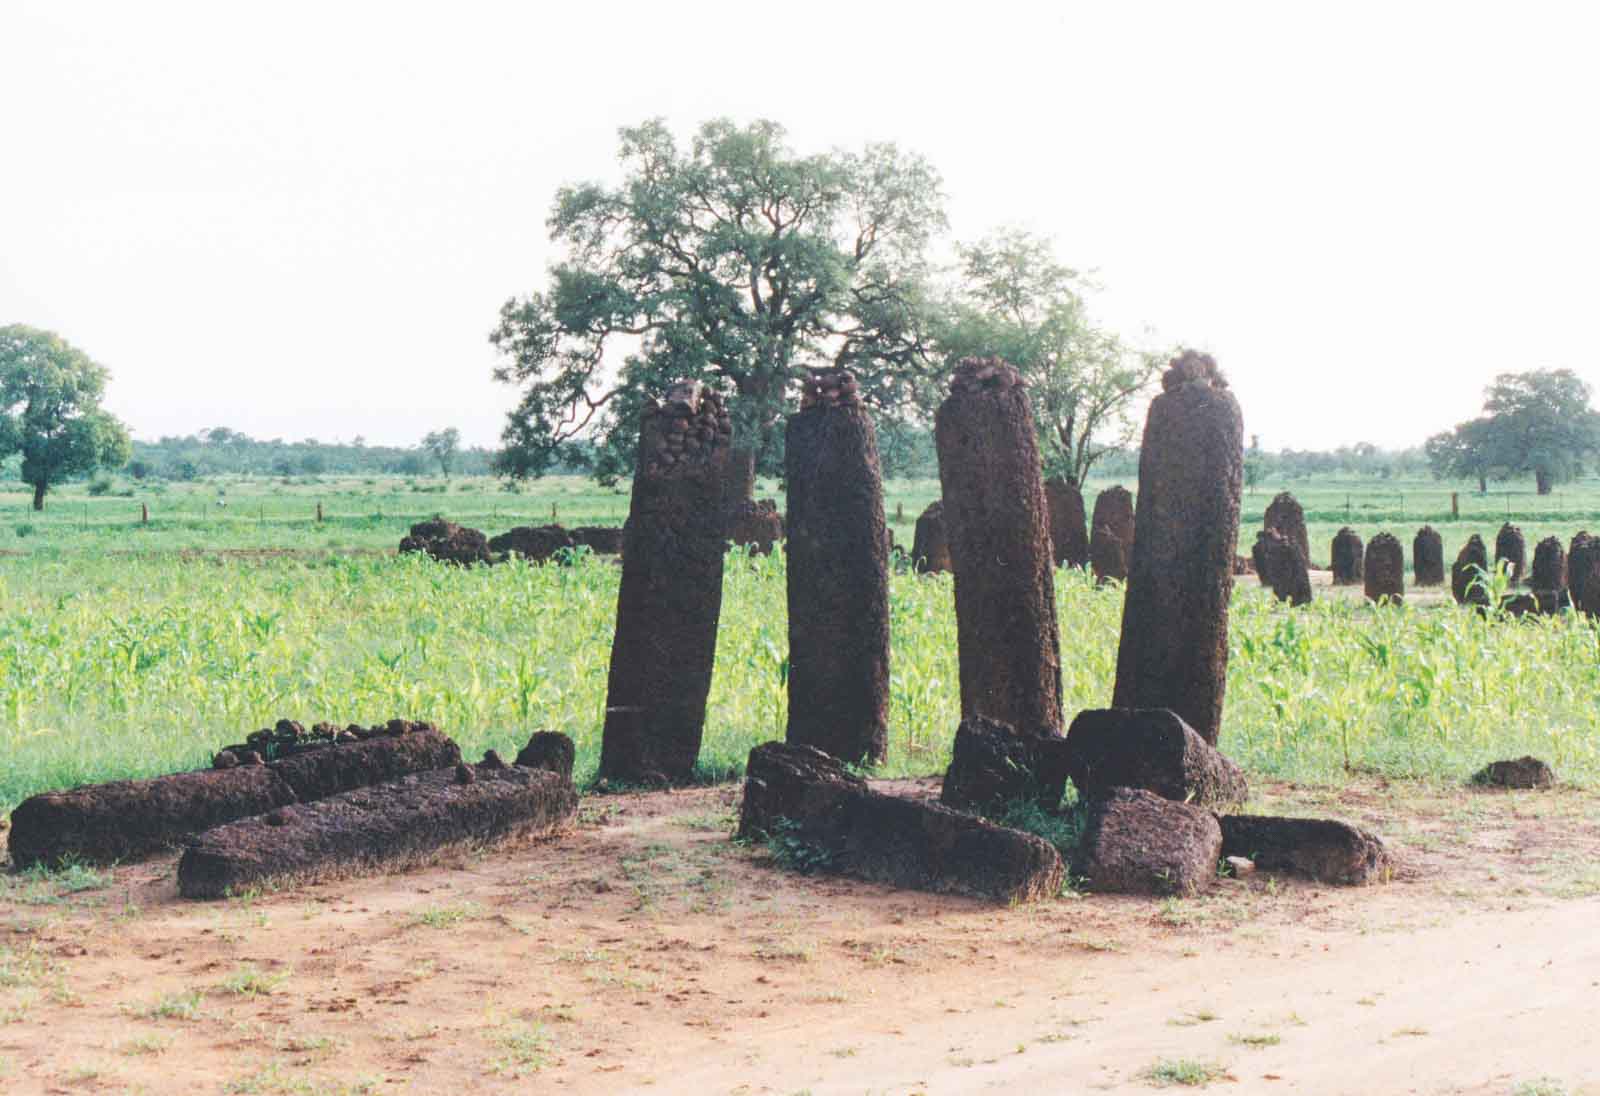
991, 766
447, 542
549, 750
1152, 749
1136, 842
534, 543
801, 795
1524, 772
1326, 850
130, 819
387, 826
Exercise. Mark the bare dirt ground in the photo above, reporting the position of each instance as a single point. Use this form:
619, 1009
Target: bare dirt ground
646, 952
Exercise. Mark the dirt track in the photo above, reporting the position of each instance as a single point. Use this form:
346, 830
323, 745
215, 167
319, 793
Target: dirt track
646, 952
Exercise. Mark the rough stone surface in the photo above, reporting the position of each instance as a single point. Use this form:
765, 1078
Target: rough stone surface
1008, 647
1326, 850
1069, 536
1385, 569
1281, 568
1347, 557
838, 575
1583, 573
1509, 546
130, 819
534, 543
797, 793
1524, 772
991, 766
1111, 534
930, 544
549, 750
755, 525
447, 542
1427, 557
386, 826
1547, 579
670, 596
1467, 573
605, 540
1174, 646
1153, 749
1136, 842
1286, 516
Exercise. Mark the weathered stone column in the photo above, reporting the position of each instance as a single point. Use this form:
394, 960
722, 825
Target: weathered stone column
1069, 537
1111, 539
671, 592
838, 569
1347, 557
1465, 573
1583, 573
1281, 567
1427, 557
1385, 569
1174, 648
1285, 515
999, 529
930, 542
1510, 546
1548, 577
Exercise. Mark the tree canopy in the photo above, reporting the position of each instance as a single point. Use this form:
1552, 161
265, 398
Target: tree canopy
50, 412
735, 261
1013, 298
1537, 422
443, 445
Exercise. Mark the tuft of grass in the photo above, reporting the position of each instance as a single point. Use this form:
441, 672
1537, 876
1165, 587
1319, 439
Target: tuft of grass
145, 1044
1191, 1019
250, 981
1540, 1086
524, 1049
173, 1006
1256, 1041
1183, 1071
447, 917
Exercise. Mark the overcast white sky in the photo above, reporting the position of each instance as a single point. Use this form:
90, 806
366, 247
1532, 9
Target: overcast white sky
300, 219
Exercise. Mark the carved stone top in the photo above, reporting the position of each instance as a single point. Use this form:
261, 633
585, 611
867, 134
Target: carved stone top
683, 429
830, 388
1191, 367
978, 374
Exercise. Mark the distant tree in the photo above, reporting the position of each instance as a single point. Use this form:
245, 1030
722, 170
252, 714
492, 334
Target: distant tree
735, 261
411, 464
1537, 422
50, 410
1016, 300
313, 463
443, 445
139, 469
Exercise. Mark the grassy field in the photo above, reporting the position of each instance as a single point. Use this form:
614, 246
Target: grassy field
124, 665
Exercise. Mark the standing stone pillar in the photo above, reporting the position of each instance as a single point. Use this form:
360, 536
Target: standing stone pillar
1583, 573
930, 542
1281, 567
1069, 539
1174, 647
1385, 569
1510, 547
1286, 516
1427, 557
1547, 579
1467, 573
671, 592
999, 528
838, 568
1111, 539
1347, 557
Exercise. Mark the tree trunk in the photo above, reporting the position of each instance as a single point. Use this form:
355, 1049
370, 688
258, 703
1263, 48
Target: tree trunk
1483, 485
38, 495
1541, 479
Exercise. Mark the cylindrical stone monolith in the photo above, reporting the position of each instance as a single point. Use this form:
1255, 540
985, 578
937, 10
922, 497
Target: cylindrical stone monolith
1547, 578
1427, 557
1583, 573
1286, 516
838, 567
1281, 568
930, 544
1174, 648
671, 592
1069, 537
1111, 534
1510, 547
999, 527
1347, 557
1469, 572
1385, 569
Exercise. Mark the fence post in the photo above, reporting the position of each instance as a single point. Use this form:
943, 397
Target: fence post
1508, 505
1347, 509
1455, 506
899, 511
1402, 508
144, 513
319, 513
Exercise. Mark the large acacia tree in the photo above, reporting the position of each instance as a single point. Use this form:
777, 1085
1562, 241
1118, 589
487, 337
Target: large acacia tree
736, 261
50, 412
1538, 422
1013, 298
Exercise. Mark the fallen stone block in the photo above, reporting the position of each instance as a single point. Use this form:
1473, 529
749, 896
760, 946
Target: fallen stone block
130, 819
549, 750
1323, 849
1524, 772
1136, 842
1153, 749
533, 543
387, 826
802, 795
992, 765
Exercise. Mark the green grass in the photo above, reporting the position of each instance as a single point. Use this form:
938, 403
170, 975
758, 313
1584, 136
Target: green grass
132, 666
1183, 1071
